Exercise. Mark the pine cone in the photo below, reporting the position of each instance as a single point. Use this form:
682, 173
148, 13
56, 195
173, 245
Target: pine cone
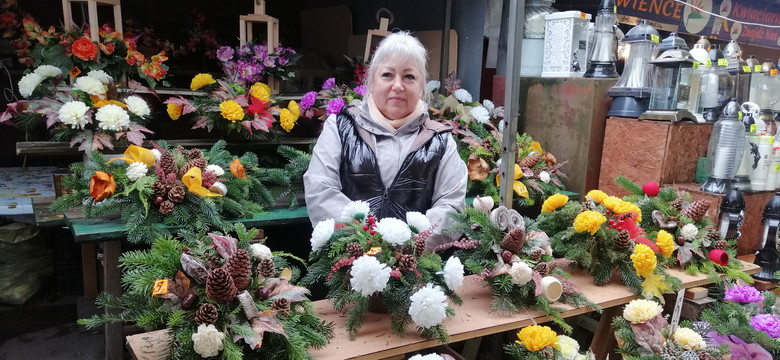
220, 286
211, 261
176, 194
240, 268
721, 244
407, 263
355, 249
158, 188
529, 161
194, 154
180, 149
514, 240
207, 179
266, 268
168, 163
703, 355
536, 255
623, 240
282, 305
200, 163
696, 210
714, 235
166, 207
206, 314
676, 203
419, 246
544, 268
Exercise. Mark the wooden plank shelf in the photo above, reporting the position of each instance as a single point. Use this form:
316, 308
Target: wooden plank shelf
60, 148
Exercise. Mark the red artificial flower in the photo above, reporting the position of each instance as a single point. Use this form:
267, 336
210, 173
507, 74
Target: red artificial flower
85, 49
258, 107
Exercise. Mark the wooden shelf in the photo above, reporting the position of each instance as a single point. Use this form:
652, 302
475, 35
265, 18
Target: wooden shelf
59, 148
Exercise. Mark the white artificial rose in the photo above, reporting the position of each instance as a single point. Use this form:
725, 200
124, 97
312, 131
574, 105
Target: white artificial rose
136, 170
137, 106
207, 342
260, 251
521, 273
544, 176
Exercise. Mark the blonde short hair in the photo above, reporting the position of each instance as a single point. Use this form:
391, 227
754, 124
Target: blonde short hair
400, 45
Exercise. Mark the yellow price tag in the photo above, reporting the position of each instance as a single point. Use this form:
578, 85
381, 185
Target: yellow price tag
752, 128
708, 63
777, 168
723, 62
654, 38
583, 16
746, 69
695, 64
614, 9
739, 114
160, 287
757, 68
773, 72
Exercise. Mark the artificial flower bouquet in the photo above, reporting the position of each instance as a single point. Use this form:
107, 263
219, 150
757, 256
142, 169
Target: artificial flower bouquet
644, 333
602, 234
217, 296
228, 108
252, 63
331, 99
193, 189
698, 244
537, 342
93, 115
515, 260
371, 263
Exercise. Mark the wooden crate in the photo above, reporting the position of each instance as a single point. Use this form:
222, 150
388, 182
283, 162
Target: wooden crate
648, 150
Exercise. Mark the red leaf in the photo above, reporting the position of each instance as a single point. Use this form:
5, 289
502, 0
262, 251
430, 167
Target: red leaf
226, 246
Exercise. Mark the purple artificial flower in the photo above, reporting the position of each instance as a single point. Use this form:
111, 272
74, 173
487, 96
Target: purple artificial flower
334, 106
360, 90
767, 323
269, 62
248, 70
307, 100
260, 49
225, 53
244, 50
283, 60
744, 294
328, 84
739, 348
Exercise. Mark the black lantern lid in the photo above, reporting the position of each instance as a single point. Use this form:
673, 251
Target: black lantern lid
733, 202
715, 54
642, 32
673, 42
772, 208
607, 6
731, 110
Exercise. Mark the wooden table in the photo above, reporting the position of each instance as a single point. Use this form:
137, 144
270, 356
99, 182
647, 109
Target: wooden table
472, 320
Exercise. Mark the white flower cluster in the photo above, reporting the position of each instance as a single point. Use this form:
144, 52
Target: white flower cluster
216, 169
112, 117
480, 114
368, 275
453, 273
207, 342
353, 208
432, 86
428, 307
394, 231
90, 85
418, 221
28, 83
137, 106
322, 233
462, 95
74, 114
521, 273
426, 357
260, 251
101, 76
48, 71
136, 170
689, 232
568, 347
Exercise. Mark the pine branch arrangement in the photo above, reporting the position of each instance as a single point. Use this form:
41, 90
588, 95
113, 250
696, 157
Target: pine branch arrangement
286, 182
165, 186
383, 266
173, 286
542, 343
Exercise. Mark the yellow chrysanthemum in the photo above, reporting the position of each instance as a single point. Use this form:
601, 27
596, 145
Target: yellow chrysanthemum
553, 202
287, 120
589, 221
536, 337
536, 146
201, 80
644, 260
654, 286
620, 206
597, 195
641, 310
689, 339
294, 109
231, 110
260, 91
665, 242
174, 111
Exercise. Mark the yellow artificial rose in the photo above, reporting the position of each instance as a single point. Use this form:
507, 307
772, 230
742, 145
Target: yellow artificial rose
641, 310
174, 111
536, 337
589, 221
260, 91
597, 195
201, 80
689, 339
231, 110
294, 109
553, 202
665, 242
286, 119
644, 260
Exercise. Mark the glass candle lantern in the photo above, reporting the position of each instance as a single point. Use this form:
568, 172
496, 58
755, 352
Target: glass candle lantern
715, 87
724, 150
533, 36
767, 257
671, 85
632, 91
701, 49
739, 69
601, 63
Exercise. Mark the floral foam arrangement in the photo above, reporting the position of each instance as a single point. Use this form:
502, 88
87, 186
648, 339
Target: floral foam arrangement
643, 333
174, 187
537, 342
93, 115
515, 260
603, 235
372, 263
217, 296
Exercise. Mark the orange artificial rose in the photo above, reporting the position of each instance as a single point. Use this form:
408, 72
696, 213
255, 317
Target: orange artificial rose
237, 169
101, 185
85, 49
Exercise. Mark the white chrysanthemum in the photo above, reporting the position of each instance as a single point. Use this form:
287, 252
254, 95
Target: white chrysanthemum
322, 233
641, 310
488, 105
353, 208
207, 342
368, 275
216, 169
112, 117
689, 339
418, 220
393, 230
462, 95
426, 357
521, 273
453, 273
568, 347
136, 170
137, 106
156, 154
689, 231
219, 188
48, 71
101, 76
90, 85
544, 176
260, 251
74, 114
428, 307
28, 83
432, 85
480, 114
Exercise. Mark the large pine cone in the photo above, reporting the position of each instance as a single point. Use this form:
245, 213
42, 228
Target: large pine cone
544, 268
623, 240
194, 154
355, 249
220, 286
536, 255
407, 263
168, 163
696, 210
266, 268
514, 240
176, 194
721, 244
281, 304
240, 268
676, 203
200, 163
158, 188
529, 161
206, 314
166, 207
419, 246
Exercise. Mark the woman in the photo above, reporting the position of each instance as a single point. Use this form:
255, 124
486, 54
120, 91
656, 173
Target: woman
387, 151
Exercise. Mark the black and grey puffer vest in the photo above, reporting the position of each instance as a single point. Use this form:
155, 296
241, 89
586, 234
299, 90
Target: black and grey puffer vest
412, 188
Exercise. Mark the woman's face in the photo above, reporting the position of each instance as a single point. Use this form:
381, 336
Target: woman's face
397, 86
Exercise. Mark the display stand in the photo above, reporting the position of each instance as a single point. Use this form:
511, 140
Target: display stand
245, 34
382, 31
92, 15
